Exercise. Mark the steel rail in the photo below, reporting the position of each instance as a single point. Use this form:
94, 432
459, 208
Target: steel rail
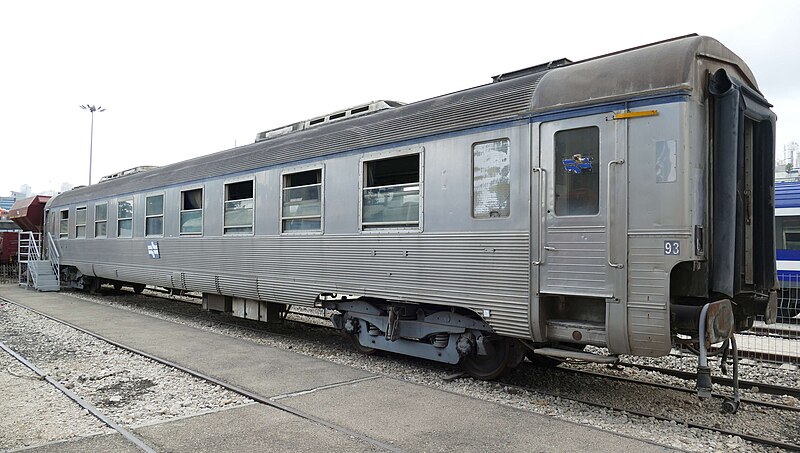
236, 389
679, 389
132, 438
688, 424
770, 389
771, 332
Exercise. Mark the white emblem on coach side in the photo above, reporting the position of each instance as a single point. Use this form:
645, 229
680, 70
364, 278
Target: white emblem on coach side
152, 250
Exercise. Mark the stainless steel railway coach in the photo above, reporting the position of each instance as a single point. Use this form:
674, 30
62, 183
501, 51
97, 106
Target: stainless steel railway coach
624, 201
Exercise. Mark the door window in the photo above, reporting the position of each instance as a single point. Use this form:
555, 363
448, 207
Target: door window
577, 171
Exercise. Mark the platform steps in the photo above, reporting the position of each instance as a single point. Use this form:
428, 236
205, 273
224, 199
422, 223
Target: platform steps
42, 275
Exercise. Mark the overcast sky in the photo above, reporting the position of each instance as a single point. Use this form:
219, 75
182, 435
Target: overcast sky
183, 79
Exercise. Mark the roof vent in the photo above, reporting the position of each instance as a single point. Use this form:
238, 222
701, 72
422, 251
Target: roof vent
130, 171
351, 112
532, 70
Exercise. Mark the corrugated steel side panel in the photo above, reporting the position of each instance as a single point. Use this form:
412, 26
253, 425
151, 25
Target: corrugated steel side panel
476, 271
648, 293
457, 111
149, 276
241, 285
578, 263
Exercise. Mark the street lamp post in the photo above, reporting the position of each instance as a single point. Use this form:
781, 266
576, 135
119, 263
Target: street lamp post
91, 110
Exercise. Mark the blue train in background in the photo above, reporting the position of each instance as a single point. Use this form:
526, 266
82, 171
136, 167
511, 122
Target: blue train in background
787, 245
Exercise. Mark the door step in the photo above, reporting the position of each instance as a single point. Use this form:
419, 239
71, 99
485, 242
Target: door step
583, 332
579, 355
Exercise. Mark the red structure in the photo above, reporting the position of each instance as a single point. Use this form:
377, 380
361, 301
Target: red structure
8, 247
28, 213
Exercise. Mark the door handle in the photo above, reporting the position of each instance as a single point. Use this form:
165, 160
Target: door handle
609, 197
542, 200
550, 249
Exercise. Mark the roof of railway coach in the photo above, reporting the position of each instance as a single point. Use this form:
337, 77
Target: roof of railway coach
656, 68
787, 194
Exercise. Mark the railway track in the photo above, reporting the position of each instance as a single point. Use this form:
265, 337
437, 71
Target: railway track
691, 377
774, 390
257, 327
234, 388
790, 332
760, 387
787, 445
129, 436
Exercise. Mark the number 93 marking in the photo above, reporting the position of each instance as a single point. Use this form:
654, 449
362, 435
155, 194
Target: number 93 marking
672, 248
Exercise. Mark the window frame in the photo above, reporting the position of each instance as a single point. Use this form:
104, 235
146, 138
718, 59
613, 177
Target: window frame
78, 225
382, 155
302, 169
95, 221
472, 179
62, 219
163, 201
119, 219
786, 224
202, 189
599, 172
252, 225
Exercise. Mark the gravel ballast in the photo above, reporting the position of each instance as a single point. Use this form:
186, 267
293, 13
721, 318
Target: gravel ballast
131, 390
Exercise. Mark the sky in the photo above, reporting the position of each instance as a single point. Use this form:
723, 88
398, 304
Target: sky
181, 79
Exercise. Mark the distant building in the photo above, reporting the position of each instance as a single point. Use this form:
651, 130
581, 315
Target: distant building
782, 176
7, 202
791, 154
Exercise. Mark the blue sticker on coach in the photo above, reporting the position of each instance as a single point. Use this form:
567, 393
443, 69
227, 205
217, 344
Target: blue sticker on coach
578, 164
152, 250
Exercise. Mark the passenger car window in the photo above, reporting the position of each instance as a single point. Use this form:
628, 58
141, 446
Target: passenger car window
302, 201
577, 179
238, 208
80, 222
154, 215
491, 183
390, 196
787, 235
63, 224
100, 218
191, 217
125, 218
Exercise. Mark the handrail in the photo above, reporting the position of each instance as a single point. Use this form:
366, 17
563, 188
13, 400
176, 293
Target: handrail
542, 202
37, 254
609, 230
27, 251
30, 252
54, 257
20, 259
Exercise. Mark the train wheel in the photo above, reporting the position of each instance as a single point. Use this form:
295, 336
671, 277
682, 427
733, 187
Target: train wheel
117, 286
93, 286
491, 366
359, 347
138, 288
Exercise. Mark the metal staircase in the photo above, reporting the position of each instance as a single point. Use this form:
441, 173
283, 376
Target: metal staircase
37, 269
